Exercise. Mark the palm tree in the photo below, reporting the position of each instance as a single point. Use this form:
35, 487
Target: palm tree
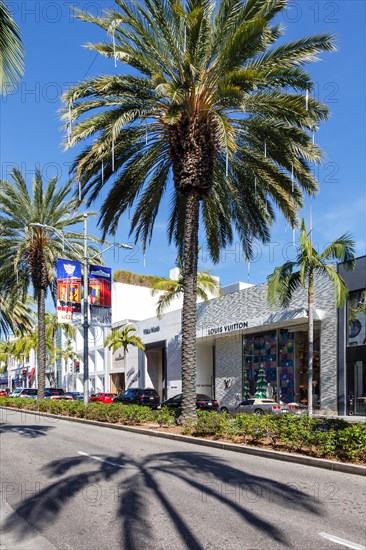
292, 275
123, 338
212, 105
28, 252
170, 289
52, 328
11, 50
68, 354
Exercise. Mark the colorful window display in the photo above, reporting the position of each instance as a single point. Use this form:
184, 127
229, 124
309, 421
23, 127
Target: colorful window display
260, 351
280, 359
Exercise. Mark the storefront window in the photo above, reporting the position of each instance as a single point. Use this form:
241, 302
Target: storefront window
283, 355
357, 318
260, 351
286, 366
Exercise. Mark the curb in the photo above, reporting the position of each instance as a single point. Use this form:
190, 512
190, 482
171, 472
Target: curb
344, 467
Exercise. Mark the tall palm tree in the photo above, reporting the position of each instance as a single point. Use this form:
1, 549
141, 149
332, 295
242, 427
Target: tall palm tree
11, 50
214, 106
28, 253
170, 289
123, 338
301, 273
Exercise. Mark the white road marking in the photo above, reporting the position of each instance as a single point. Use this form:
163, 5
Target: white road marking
100, 459
345, 542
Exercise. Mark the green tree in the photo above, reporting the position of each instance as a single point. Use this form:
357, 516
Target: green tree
28, 253
11, 50
261, 387
69, 355
123, 338
170, 289
16, 316
212, 105
301, 273
52, 328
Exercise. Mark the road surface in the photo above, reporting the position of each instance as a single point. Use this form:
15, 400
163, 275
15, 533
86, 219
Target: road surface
71, 486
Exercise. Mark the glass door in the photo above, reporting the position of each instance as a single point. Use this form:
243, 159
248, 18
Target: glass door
360, 387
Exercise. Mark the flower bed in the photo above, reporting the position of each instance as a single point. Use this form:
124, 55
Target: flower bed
325, 438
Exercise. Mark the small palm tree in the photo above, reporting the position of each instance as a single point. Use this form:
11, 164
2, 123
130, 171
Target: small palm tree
206, 284
68, 354
292, 275
213, 111
52, 327
11, 50
28, 252
123, 338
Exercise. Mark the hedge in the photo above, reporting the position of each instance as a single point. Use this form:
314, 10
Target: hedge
327, 438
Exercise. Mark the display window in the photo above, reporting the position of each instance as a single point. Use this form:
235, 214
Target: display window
276, 365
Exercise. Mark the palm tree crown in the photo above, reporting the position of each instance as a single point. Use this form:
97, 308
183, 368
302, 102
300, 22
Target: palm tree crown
11, 50
199, 66
169, 288
28, 252
123, 338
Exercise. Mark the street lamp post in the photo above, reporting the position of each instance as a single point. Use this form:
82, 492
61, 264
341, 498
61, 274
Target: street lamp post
86, 315
86, 260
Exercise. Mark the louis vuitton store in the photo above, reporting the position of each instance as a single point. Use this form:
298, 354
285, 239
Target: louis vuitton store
237, 334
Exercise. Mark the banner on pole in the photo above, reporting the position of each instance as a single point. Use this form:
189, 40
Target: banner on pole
100, 295
69, 292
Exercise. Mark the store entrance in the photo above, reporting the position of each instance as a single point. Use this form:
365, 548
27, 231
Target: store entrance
356, 388
155, 375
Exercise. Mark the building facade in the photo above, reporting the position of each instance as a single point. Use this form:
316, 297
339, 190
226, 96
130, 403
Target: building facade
238, 332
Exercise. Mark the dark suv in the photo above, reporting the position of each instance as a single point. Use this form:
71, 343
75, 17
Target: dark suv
138, 396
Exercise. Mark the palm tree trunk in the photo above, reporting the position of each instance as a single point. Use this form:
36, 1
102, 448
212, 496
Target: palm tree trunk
41, 343
189, 307
311, 341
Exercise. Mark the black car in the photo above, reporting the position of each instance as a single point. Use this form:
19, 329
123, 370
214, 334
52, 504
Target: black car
203, 402
139, 396
56, 393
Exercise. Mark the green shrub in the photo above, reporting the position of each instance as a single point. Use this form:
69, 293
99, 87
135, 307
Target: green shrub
210, 424
296, 431
135, 414
165, 417
352, 442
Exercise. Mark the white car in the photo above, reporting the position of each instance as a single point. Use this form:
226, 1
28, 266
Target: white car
257, 406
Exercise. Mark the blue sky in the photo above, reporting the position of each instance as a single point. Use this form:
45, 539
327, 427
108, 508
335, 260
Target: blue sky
31, 133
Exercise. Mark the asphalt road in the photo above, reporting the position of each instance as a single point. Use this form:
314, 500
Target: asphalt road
71, 486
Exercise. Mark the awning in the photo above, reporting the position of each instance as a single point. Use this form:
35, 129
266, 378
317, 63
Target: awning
31, 373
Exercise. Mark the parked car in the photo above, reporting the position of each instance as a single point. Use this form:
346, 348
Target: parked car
24, 392
76, 395
3, 393
103, 397
256, 406
139, 396
56, 393
203, 402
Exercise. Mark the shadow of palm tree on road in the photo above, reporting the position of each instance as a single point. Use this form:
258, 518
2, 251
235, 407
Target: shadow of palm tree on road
26, 431
142, 483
